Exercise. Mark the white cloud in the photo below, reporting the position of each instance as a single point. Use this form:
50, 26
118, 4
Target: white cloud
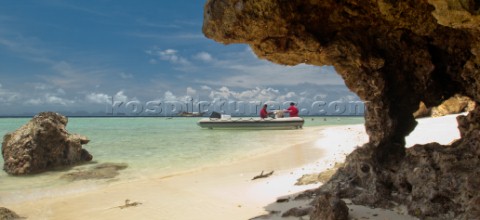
169, 55
61, 91
152, 61
89, 11
168, 52
191, 91
261, 94
27, 48
244, 69
36, 101
290, 96
256, 94
189, 36
67, 75
50, 99
222, 93
120, 96
320, 97
145, 22
268, 74
203, 56
204, 87
169, 96
185, 36
8, 97
41, 86
64, 68
175, 58
126, 75
55, 72
97, 98
350, 98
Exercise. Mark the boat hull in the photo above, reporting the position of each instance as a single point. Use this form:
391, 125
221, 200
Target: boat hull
252, 123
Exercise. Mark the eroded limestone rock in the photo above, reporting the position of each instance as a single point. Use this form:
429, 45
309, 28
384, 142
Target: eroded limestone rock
329, 207
432, 180
42, 144
393, 55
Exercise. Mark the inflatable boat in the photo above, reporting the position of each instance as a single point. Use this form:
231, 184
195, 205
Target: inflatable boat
227, 122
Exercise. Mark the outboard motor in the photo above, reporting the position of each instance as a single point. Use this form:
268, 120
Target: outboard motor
216, 115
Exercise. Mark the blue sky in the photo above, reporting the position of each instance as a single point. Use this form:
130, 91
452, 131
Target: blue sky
78, 55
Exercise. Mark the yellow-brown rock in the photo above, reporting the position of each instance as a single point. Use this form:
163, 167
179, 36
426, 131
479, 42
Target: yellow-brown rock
453, 105
41, 145
422, 111
393, 55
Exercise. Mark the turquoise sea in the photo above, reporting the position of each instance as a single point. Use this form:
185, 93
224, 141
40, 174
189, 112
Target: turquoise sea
151, 146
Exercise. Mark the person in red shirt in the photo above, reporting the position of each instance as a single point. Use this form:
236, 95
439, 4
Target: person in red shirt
264, 112
292, 110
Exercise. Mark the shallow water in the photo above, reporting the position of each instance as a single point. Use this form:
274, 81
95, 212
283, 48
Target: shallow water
151, 147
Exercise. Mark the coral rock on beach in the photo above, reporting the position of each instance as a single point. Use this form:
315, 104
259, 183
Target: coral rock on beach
453, 105
393, 55
42, 144
329, 207
7, 214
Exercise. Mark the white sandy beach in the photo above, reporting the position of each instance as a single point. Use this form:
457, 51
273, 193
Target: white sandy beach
228, 191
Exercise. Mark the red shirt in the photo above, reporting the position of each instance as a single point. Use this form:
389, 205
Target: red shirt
263, 113
293, 111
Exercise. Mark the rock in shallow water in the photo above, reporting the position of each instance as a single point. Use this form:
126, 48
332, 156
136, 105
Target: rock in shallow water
42, 144
101, 171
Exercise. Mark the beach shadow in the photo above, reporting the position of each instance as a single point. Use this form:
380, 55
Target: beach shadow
294, 206
55, 170
300, 205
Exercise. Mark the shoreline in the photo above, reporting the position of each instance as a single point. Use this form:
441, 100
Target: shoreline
236, 172
34, 187
227, 191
